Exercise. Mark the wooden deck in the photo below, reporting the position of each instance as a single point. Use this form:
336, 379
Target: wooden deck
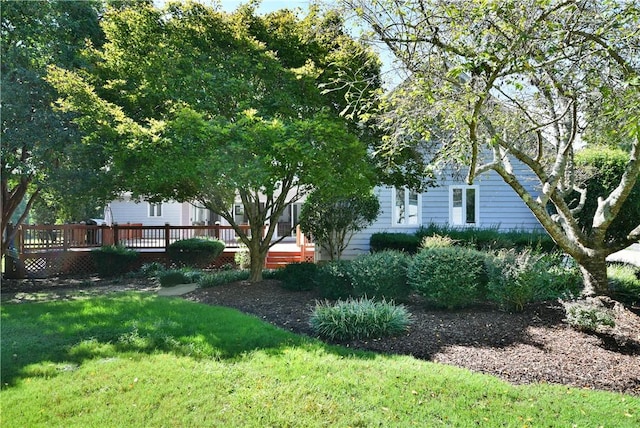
46, 251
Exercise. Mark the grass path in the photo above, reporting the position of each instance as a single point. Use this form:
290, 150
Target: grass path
144, 361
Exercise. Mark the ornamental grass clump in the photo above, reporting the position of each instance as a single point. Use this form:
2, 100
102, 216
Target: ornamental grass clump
359, 319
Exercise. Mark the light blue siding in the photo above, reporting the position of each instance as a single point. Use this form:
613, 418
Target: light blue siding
127, 211
499, 207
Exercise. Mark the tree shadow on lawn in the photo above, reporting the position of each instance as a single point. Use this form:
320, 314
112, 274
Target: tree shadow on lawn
48, 338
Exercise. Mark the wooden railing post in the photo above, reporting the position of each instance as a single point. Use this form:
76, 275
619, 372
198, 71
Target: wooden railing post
116, 234
167, 236
216, 230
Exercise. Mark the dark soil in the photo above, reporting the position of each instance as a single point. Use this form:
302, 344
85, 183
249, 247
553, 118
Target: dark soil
535, 345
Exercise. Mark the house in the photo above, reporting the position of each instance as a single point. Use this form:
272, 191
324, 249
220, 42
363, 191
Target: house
489, 202
130, 211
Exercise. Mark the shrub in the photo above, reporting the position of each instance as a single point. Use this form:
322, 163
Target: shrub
520, 277
298, 276
381, 275
113, 260
172, 277
588, 315
624, 283
334, 281
222, 277
513, 278
150, 270
450, 277
359, 319
394, 241
490, 238
437, 241
195, 252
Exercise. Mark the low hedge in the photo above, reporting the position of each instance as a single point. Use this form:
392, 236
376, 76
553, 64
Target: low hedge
408, 243
113, 260
195, 252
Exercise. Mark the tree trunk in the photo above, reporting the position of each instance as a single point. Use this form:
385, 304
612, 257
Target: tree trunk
257, 257
594, 274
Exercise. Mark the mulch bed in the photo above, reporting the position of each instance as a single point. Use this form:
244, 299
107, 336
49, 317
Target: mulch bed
527, 347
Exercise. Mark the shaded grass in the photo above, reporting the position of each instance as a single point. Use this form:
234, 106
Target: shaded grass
137, 360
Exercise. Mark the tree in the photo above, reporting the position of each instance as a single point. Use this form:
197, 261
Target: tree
37, 142
192, 106
492, 84
333, 219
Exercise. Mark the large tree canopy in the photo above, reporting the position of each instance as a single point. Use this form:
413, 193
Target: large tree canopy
497, 82
41, 150
192, 104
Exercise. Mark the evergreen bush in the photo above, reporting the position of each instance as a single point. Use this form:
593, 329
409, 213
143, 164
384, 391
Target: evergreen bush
380, 275
195, 252
449, 277
408, 243
113, 260
298, 276
334, 281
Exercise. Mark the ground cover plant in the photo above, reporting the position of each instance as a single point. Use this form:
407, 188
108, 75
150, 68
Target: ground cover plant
149, 361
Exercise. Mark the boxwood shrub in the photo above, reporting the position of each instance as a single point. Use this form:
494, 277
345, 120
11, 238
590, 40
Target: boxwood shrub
394, 241
334, 281
380, 275
449, 277
112, 260
298, 276
195, 252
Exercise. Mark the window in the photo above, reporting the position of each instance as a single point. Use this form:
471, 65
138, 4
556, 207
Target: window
406, 208
155, 210
464, 203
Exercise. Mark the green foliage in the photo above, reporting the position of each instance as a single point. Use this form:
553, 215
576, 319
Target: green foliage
359, 319
486, 239
437, 241
334, 281
333, 219
195, 252
381, 275
213, 111
624, 283
185, 275
150, 270
520, 277
394, 241
113, 260
600, 169
222, 277
449, 277
298, 276
588, 315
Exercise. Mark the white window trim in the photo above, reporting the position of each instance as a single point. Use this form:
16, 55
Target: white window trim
153, 208
464, 205
394, 192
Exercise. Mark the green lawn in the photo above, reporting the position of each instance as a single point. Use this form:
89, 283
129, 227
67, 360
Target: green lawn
144, 361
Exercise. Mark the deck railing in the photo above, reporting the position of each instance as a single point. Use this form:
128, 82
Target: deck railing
31, 238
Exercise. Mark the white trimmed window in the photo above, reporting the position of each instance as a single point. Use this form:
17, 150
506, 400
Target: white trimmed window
155, 210
406, 207
464, 205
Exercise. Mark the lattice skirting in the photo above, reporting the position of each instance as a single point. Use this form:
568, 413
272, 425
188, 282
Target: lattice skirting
56, 263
